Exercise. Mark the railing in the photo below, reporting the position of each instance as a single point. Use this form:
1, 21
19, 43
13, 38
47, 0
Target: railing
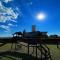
46, 51
40, 41
42, 46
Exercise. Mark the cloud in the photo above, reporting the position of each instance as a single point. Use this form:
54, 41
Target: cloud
7, 13
14, 21
10, 24
0, 4
7, 28
6, 1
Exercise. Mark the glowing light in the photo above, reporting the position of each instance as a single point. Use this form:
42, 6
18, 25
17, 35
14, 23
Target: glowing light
41, 16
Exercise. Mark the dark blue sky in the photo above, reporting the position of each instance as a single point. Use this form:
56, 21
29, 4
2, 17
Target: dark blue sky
27, 10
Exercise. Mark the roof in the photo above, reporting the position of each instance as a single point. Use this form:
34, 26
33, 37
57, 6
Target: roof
33, 34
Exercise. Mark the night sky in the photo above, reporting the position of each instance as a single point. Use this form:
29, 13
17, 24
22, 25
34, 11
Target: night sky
17, 15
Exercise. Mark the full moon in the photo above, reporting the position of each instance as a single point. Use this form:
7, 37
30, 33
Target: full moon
40, 16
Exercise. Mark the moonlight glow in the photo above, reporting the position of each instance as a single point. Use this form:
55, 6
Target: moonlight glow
41, 16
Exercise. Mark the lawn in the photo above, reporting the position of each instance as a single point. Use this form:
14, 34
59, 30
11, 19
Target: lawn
55, 52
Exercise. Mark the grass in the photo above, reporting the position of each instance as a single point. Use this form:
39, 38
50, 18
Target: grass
55, 52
